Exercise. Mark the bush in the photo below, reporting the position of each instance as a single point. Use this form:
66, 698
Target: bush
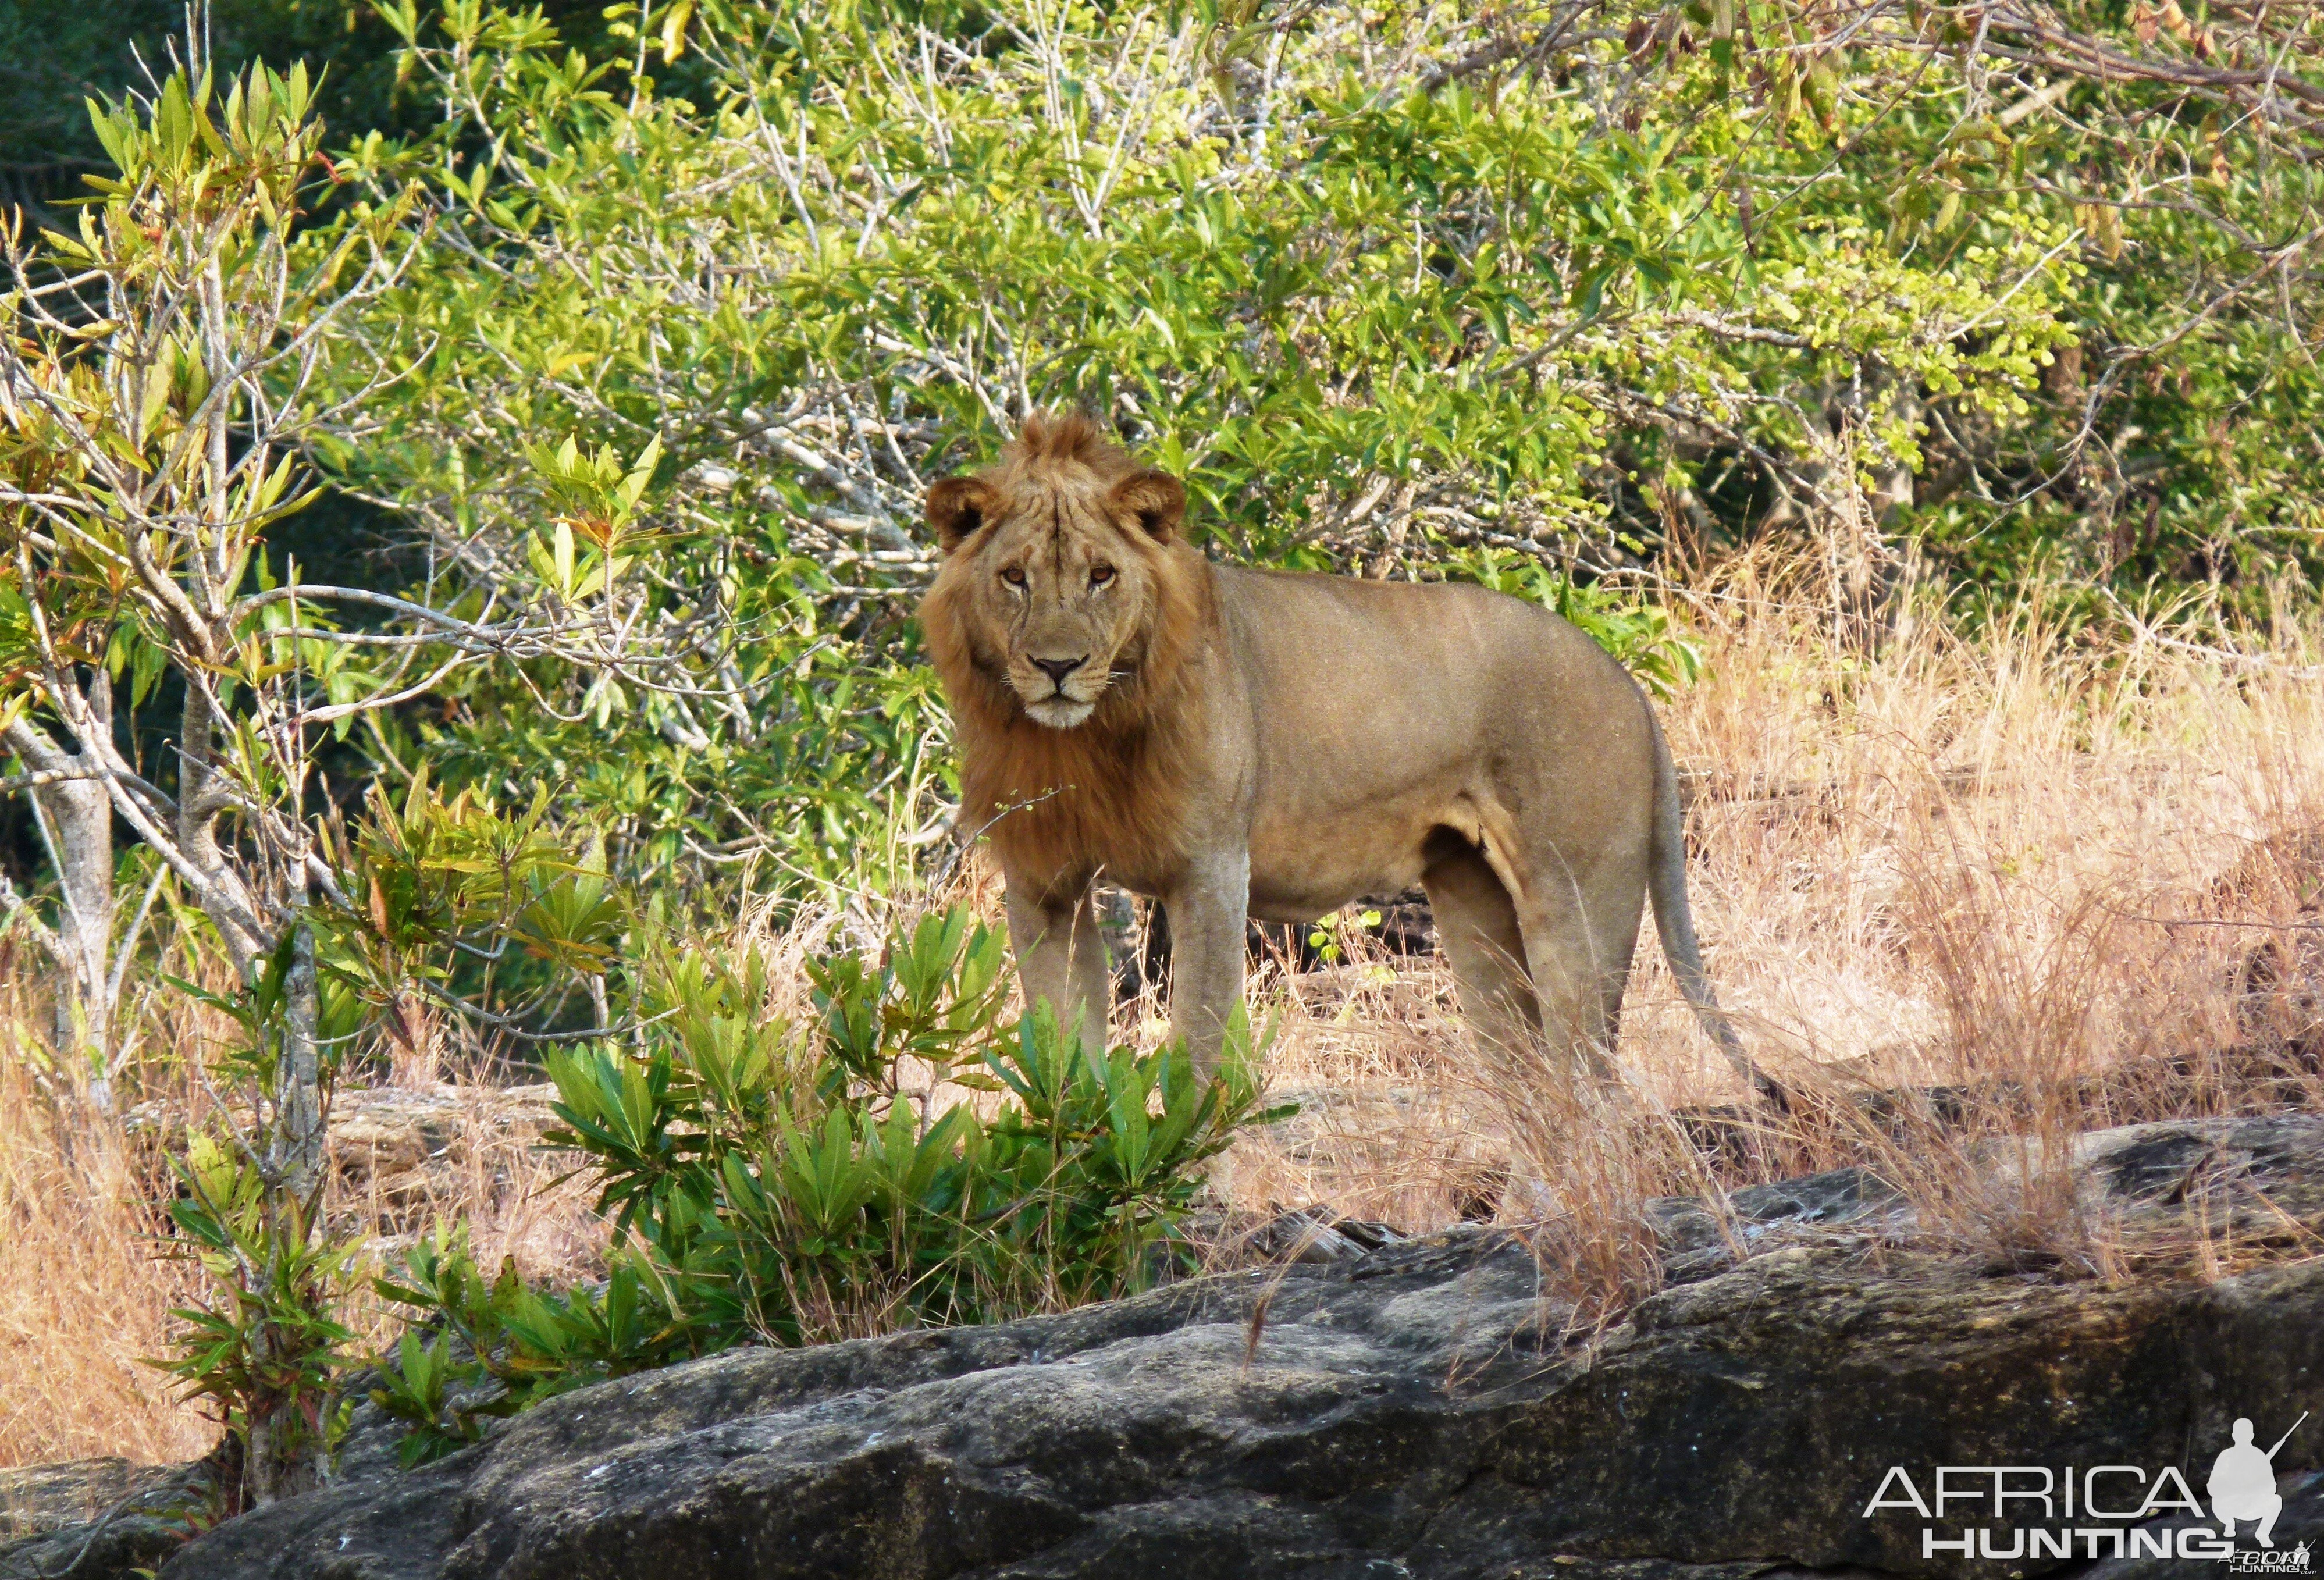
259, 1346
782, 1186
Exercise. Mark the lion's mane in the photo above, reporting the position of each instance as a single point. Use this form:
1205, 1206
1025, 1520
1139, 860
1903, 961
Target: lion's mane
1061, 802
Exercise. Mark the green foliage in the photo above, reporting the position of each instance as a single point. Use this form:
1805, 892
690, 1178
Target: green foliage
456, 903
779, 1185
1370, 323
1326, 943
264, 1349
2173, 437
150, 398
254, 1059
264, 1345
53, 56
447, 887
102, 434
663, 365
931, 998
1395, 290
769, 266
499, 1346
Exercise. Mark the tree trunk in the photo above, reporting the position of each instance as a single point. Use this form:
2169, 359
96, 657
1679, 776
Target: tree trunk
75, 818
80, 816
285, 1456
286, 1451
204, 795
287, 1446
298, 1138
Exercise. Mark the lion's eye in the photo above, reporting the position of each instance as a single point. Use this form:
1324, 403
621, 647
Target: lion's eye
1013, 576
1100, 575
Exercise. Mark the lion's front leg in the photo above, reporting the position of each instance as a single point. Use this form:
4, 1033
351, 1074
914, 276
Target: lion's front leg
1207, 912
1061, 957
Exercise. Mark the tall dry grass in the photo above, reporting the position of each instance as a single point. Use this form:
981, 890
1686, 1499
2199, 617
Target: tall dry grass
2057, 884
2062, 884
81, 1295
84, 1296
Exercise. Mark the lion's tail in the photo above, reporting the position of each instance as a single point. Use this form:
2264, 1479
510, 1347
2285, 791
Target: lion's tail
1674, 920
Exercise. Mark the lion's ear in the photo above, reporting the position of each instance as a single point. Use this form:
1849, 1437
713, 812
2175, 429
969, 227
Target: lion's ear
956, 508
1156, 500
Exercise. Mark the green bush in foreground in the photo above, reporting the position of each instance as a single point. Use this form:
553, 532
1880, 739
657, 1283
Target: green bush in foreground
781, 1186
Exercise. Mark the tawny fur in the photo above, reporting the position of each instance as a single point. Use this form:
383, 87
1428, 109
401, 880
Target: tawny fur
1060, 803
1237, 742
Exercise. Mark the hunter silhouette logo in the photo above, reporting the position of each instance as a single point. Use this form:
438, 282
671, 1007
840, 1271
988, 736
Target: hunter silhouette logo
2102, 1510
2270, 1560
2243, 1483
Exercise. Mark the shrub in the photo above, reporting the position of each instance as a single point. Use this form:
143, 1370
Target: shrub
781, 1186
261, 1344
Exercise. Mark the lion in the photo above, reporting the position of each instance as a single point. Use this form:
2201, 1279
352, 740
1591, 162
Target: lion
1237, 743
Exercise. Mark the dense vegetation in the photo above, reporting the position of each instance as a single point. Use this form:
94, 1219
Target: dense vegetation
459, 465
785, 1189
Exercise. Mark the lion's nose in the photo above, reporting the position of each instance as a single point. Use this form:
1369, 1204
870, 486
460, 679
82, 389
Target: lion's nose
1057, 669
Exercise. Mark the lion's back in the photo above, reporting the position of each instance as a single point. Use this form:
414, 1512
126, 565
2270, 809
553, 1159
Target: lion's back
1460, 646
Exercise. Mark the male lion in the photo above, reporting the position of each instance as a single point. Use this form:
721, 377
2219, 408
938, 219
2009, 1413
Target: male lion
1235, 742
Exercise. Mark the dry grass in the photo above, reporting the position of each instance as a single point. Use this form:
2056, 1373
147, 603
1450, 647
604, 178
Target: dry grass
2073, 888
407, 1159
82, 1297
2078, 887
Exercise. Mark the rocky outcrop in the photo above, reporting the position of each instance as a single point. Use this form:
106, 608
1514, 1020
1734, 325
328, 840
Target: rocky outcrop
400, 1153
1422, 1409
94, 1518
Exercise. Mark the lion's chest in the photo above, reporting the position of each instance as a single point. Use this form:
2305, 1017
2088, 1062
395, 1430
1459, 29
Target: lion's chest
1079, 810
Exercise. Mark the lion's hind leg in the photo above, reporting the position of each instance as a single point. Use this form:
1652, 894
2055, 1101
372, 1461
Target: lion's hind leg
1581, 931
1476, 930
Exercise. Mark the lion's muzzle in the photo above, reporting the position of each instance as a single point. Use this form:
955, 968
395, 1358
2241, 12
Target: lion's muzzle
1076, 685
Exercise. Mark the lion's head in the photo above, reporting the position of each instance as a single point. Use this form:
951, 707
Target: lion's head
1062, 624
1061, 579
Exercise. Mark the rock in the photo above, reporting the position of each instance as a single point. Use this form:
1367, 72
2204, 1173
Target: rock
1314, 1235
399, 1151
94, 1518
1423, 1411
